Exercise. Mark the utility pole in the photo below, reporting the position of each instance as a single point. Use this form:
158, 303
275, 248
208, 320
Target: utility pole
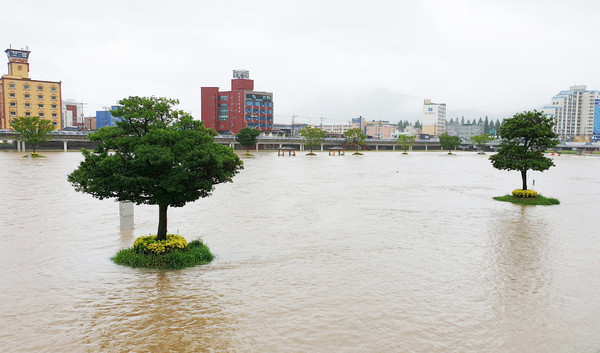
322, 118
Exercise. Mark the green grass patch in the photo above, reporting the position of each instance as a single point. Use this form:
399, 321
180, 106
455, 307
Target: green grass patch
562, 152
539, 200
195, 253
34, 155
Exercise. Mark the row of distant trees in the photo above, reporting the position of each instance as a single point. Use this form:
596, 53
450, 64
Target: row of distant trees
489, 125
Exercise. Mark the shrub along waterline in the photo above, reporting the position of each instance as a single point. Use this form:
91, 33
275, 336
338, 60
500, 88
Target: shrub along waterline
538, 200
195, 253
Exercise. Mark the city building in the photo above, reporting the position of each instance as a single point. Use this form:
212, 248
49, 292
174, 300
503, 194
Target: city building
359, 123
575, 113
336, 129
22, 96
464, 131
72, 113
380, 129
105, 118
434, 118
228, 112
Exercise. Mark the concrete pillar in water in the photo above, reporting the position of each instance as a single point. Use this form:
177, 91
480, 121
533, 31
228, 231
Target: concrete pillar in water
65, 145
126, 214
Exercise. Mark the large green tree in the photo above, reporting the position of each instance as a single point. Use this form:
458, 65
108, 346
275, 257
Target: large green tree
33, 129
449, 142
247, 137
313, 135
525, 137
406, 142
480, 141
355, 137
155, 155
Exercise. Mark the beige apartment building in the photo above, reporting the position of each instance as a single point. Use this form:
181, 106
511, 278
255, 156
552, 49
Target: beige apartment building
22, 96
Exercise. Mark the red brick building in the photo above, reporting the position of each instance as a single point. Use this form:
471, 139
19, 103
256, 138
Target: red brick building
228, 112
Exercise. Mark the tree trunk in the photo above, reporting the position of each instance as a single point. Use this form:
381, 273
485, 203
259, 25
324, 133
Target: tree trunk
161, 234
524, 178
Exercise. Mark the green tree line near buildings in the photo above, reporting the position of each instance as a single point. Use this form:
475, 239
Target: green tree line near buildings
489, 125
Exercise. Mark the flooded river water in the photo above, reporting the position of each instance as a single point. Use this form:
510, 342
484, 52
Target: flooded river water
377, 253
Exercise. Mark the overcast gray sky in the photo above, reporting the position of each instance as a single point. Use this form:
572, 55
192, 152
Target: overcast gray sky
330, 59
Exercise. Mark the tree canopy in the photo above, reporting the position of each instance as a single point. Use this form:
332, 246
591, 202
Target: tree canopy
247, 137
481, 140
525, 137
406, 141
155, 155
449, 142
355, 137
313, 135
33, 129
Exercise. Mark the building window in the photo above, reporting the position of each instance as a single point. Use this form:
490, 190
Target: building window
27, 114
40, 105
26, 86
41, 115
27, 105
13, 113
40, 96
53, 98
11, 85
53, 106
27, 96
53, 89
54, 123
223, 98
11, 95
54, 115
40, 88
13, 104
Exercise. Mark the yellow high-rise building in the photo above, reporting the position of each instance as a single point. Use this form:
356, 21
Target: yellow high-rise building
22, 96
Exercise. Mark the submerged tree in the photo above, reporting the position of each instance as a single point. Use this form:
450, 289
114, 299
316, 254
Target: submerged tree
481, 140
155, 155
33, 129
525, 137
247, 137
406, 142
313, 135
355, 137
449, 142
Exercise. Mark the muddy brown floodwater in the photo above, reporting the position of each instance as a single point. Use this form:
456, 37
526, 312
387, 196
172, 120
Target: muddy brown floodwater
377, 253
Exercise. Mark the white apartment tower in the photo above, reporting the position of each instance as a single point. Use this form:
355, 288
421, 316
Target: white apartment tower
574, 112
434, 118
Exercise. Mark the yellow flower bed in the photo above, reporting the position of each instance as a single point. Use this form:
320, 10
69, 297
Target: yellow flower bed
524, 193
149, 245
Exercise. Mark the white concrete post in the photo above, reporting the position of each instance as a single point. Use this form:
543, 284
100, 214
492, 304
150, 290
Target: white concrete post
126, 214
65, 145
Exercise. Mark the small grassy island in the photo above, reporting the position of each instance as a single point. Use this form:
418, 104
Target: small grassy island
170, 254
34, 155
156, 155
527, 197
